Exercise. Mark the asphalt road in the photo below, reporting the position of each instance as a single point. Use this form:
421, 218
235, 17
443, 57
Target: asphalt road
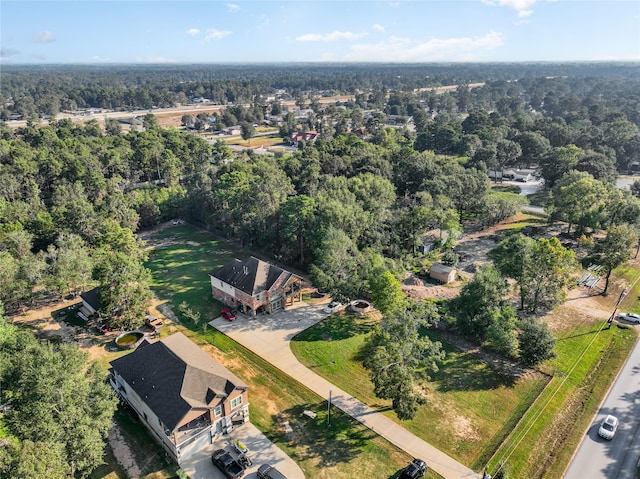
597, 458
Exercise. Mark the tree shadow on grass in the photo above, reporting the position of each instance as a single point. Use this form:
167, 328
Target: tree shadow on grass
337, 327
464, 371
326, 445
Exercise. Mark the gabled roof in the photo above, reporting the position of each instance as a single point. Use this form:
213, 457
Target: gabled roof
174, 376
440, 268
251, 276
92, 298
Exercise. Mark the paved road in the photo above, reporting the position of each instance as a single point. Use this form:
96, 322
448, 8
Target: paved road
598, 458
269, 337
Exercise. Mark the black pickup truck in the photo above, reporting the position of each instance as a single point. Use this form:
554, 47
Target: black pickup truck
227, 464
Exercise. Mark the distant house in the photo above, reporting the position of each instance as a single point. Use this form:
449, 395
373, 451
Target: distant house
232, 130
184, 397
306, 136
254, 286
442, 273
431, 239
90, 304
201, 100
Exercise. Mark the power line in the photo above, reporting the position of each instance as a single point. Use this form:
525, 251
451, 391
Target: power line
575, 364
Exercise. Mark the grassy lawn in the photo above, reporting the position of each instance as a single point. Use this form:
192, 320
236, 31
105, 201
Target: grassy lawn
180, 265
470, 409
542, 444
539, 199
257, 141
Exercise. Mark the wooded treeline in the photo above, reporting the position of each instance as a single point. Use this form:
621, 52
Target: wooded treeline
339, 208
34, 91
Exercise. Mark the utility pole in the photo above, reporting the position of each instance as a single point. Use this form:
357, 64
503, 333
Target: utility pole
623, 293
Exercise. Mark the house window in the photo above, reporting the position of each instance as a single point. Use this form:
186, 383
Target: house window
235, 402
217, 411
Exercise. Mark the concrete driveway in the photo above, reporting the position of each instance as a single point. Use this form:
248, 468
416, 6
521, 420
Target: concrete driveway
269, 337
261, 451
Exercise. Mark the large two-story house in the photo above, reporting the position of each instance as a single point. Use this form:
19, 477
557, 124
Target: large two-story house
254, 286
184, 397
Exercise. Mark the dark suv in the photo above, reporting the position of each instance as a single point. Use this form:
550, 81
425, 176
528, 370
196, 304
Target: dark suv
269, 472
227, 464
415, 470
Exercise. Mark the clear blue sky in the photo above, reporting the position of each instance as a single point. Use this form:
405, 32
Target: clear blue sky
212, 31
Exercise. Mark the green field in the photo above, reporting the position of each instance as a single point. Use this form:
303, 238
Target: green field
470, 408
180, 264
531, 425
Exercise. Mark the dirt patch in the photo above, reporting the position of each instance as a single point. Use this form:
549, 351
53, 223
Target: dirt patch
463, 428
417, 288
122, 452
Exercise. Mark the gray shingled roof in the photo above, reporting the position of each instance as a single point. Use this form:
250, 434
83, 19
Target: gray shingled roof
174, 376
251, 276
92, 298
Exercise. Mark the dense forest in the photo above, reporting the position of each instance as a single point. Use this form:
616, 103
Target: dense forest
35, 91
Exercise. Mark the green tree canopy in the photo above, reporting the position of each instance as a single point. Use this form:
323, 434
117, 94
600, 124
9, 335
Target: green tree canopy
60, 405
536, 342
401, 355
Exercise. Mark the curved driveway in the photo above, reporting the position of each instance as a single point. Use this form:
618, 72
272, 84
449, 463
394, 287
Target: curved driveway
269, 337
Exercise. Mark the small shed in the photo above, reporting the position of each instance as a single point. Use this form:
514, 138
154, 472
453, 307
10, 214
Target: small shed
90, 304
443, 273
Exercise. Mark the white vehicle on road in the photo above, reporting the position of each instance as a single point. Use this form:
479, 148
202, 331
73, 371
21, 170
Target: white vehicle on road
608, 427
631, 317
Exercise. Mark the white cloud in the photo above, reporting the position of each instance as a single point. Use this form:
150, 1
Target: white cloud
193, 31
406, 50
523, 7
232, 7
394, 4
215, 34
45, 36
99, 59
377, 27
7, 53
329, 37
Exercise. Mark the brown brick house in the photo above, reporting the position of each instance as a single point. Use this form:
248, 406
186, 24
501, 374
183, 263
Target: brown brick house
254, 286
184, 397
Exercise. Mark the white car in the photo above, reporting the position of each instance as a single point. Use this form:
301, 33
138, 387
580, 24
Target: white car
631, 317
332, 307
608, 427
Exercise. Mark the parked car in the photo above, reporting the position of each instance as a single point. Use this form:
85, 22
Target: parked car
227, 464
332, 307
416, 469
269, 472
631, 317
227, 314
608, 427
